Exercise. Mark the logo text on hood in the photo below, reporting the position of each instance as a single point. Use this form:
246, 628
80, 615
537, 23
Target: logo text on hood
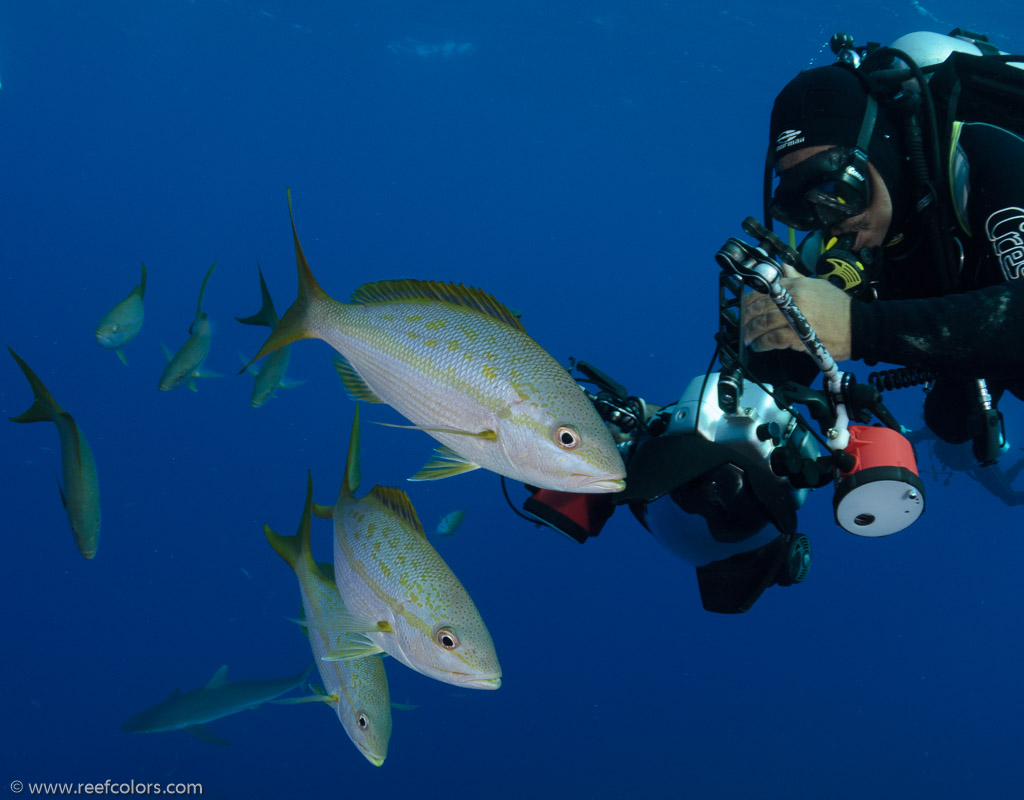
788, 139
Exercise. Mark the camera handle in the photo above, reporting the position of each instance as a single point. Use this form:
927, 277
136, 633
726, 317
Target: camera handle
757, 267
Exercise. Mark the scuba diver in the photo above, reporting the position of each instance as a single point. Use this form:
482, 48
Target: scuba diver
912, 191
923, 213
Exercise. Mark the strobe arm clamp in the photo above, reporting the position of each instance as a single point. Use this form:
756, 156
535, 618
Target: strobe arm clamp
759, 267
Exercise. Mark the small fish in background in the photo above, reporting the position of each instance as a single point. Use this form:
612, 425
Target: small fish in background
124, 321
187, 364
271, 376
357, 689
449, 523
459, 365
190, 711
80, 492
398, 591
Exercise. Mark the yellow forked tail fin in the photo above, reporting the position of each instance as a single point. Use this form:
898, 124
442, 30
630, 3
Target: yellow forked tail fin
296, 549
44, 408
295, 324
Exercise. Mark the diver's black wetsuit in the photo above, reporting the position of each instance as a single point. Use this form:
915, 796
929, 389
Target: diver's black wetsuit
978, 330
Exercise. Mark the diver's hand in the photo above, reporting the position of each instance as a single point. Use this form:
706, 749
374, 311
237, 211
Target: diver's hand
826, 308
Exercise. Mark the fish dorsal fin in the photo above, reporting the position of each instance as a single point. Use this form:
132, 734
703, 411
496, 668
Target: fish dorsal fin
455, 293
202, 290
141, 288
220, 677
398, 502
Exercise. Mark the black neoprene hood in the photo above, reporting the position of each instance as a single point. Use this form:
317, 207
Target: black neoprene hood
825, 106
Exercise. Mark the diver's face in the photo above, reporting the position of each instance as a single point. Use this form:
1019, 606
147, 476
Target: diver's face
871, 225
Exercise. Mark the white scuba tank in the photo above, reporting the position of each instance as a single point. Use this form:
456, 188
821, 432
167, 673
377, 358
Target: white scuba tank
929, 49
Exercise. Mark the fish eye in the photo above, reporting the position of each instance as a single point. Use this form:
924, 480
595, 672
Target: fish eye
363, 721
567, 438
447, 639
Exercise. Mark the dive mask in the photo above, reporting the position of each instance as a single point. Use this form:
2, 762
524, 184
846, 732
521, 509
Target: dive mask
823, 190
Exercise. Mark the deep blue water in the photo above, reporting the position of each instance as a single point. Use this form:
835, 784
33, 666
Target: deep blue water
580, 161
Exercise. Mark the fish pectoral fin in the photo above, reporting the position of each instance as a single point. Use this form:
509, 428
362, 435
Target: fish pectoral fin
323, 512
343, 621
404, 706
353, 383
444, 463
356, 646
312, 698
206, 373
201, 733
167, 352
289, 383
120, 355
485, 434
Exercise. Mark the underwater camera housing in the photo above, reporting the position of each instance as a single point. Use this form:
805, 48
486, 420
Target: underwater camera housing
700, 480
695, 437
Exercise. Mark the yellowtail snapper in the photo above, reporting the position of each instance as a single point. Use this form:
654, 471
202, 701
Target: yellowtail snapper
459, 365
398, 591
80, 492
124, 321
356, 689
187, 364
